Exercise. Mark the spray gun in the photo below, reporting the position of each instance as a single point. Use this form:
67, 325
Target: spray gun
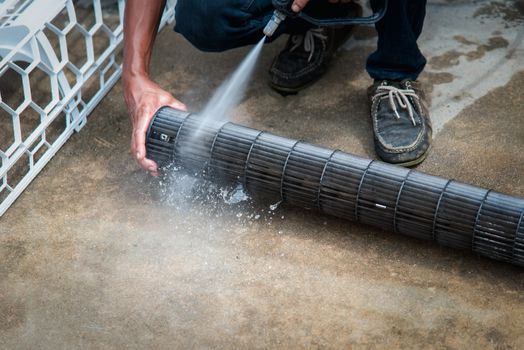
283, 10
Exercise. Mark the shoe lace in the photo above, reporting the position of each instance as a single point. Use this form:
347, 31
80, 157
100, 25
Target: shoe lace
400, 97
307, 40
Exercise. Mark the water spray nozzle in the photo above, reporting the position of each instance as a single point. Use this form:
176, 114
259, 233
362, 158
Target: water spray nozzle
273, 23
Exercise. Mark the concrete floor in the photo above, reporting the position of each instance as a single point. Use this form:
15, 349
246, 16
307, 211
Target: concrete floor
96, 254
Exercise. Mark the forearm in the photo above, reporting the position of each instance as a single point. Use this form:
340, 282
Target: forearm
141, 23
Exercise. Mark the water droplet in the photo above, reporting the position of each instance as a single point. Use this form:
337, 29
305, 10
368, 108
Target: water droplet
273, 207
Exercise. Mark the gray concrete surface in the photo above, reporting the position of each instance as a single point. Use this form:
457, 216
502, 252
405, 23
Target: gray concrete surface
96, 254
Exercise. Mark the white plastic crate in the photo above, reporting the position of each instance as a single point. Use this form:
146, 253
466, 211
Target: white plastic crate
58, 59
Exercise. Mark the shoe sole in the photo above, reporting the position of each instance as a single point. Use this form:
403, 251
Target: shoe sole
414, 162
291, 91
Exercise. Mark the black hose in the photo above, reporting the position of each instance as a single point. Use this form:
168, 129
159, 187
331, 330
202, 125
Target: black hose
390, 197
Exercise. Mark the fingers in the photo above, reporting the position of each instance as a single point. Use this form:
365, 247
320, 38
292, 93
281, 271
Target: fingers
139, 143
177, 105
141, 125
298, 5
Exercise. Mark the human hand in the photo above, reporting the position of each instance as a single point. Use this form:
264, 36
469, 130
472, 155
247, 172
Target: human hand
143, 98
298, 5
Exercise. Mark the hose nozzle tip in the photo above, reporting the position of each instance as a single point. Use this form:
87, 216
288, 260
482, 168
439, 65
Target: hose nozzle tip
273, 23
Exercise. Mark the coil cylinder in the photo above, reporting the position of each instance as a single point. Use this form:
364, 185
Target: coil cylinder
390, 197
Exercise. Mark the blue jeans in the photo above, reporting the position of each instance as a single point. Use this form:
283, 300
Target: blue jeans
218, 25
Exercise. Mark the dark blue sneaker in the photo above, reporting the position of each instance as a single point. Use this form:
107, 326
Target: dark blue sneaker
401, 123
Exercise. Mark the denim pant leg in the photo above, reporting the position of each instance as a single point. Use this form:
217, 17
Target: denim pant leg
218, 25
397, 56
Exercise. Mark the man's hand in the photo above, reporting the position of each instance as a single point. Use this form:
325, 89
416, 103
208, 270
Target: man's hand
143, 98
298, 5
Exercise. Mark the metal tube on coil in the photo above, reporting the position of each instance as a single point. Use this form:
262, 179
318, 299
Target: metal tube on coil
347, 186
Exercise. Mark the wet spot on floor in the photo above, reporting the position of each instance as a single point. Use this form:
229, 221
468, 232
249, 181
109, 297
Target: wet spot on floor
437, 78
509, 11
446, 60
452, 58
494, 43
459, 97
461, 39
